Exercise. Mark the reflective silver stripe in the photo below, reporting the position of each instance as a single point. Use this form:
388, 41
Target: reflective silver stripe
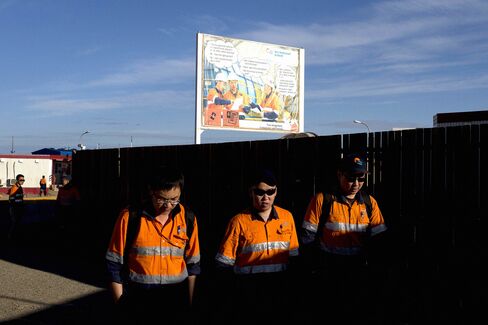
158, 251
294, 252
346, 227
224, 259
158, 279
264, 246
341, 250
310, 226
377, 229
114, 257
252, 269
193, 259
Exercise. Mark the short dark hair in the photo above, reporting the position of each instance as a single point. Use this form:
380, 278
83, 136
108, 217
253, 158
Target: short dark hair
166, 178
263, 175
18, 176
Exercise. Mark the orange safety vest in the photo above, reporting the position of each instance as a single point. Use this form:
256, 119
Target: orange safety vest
16, 194
252, 246
346, 227
271, 102
159, 253
212, 94
231, 96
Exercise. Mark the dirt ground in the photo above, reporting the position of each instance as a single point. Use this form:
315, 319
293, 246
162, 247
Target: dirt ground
44, 277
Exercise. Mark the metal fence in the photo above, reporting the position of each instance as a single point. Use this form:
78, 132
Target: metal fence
428, 183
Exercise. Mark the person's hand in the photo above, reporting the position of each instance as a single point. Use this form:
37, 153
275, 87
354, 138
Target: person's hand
270, 115
255, 107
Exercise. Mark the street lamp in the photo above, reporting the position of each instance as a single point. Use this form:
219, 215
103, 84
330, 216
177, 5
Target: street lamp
82, 147
361, 122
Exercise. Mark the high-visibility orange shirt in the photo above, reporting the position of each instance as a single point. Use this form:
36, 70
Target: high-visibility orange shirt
272, 101
346, 227
42, 181
16, 194
251, 245
212, 94
160, 254
231, 96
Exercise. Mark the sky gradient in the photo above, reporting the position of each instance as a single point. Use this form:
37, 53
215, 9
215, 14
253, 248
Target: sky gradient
125, 70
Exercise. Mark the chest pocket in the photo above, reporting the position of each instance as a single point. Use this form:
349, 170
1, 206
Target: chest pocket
180, 238
284, 231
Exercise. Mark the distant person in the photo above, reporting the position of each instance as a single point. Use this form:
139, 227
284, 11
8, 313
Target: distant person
257, 248
154, 255
16, 202
215, 97
235, 95
339, 227
43, 186
67, 202
270, 103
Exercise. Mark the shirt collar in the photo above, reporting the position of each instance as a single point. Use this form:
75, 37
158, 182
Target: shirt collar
272, 215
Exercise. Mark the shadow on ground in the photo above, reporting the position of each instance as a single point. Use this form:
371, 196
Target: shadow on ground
43, 244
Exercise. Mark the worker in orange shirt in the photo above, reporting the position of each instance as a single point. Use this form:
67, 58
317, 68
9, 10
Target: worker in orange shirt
16, 205
270, 103
215, 97
43, 186
339, 227
258, 247
152, 258
235, 95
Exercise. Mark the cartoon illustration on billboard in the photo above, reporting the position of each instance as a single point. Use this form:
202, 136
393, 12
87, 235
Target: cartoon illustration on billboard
249, 85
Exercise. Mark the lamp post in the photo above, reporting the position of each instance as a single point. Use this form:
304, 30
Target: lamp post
361, 122
82, 147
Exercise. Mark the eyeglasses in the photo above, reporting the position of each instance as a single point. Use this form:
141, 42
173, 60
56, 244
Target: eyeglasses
260, 192
21, 180
165, 201
353, 179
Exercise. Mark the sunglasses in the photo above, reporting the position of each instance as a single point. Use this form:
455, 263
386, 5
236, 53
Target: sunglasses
21, 180
260, 192
352, 179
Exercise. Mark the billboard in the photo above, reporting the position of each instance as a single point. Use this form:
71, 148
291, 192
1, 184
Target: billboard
248, 86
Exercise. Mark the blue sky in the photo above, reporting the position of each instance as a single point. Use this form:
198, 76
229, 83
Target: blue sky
126, 69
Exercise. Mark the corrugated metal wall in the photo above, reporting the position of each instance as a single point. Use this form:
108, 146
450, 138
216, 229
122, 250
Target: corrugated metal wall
429, 184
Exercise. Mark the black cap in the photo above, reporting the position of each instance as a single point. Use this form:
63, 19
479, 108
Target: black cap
353, 164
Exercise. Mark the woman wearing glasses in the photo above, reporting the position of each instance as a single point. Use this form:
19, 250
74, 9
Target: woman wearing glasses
257, 247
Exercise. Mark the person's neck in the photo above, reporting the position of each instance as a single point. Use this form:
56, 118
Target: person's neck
264, 214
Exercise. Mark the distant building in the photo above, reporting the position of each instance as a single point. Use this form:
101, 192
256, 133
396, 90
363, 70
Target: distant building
460, 118
33, 167
52, 151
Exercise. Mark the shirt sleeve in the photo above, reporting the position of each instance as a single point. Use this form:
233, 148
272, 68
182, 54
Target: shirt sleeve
311, 220
115, 253
227, 253
377, 223
192, 252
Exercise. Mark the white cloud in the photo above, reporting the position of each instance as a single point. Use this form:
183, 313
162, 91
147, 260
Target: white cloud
149, 72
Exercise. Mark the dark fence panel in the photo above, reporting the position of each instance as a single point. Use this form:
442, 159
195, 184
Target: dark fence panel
428, 183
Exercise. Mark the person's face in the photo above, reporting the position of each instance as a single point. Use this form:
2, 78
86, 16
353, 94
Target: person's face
350, 183
267, 90
65, 181
165, 201
220, 85
21, 180
263, 196
233, 86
